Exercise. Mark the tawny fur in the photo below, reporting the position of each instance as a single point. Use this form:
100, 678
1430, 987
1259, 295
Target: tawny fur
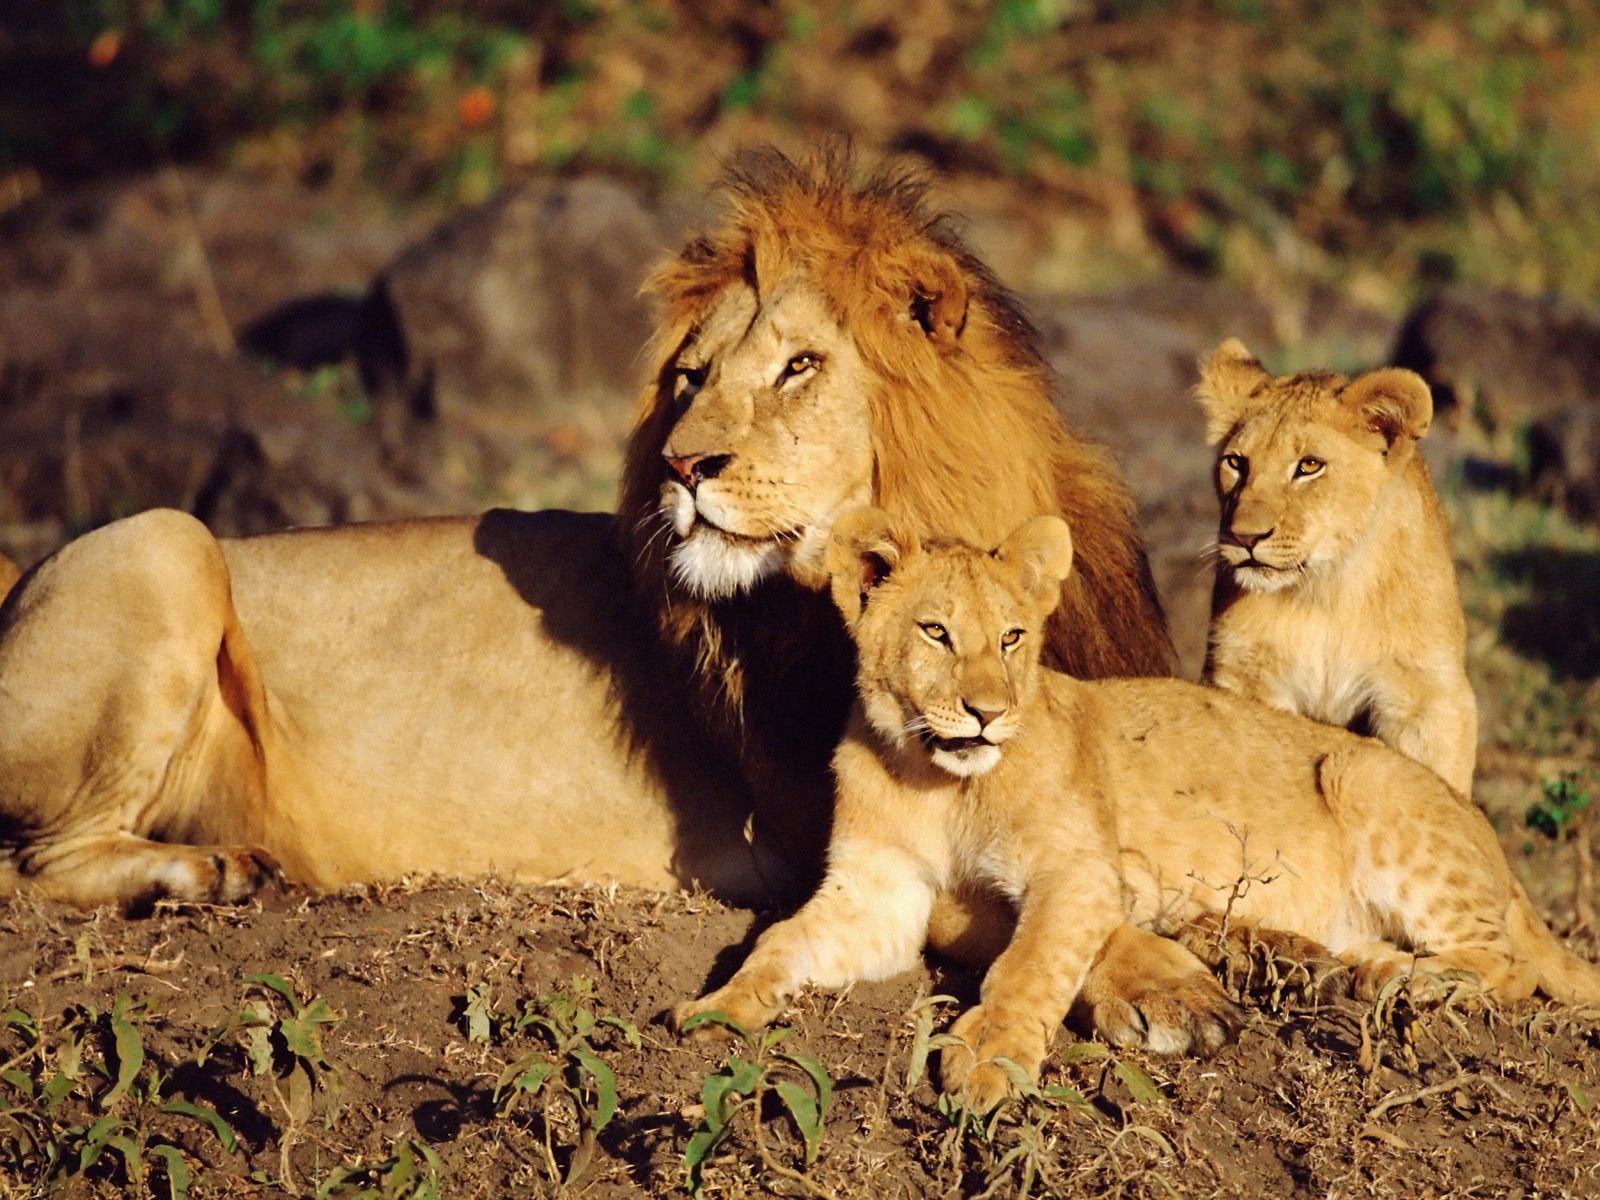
1146, 802
1336, 589
9, 574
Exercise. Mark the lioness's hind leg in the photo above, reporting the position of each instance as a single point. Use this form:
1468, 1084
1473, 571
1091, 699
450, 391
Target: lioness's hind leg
130, 719
1148, 991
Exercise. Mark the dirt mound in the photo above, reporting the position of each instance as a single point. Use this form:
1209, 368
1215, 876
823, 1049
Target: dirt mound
386, 1026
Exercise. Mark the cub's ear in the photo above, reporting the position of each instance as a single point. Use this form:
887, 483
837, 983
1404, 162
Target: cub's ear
1393, 402
939, 299
864, 548
1041, 550
1227, 378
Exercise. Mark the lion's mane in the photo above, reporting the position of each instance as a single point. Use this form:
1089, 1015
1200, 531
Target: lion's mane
966, 439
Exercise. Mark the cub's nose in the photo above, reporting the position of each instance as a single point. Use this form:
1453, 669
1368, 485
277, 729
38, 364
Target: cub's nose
984, 712
692, 469
1249, 540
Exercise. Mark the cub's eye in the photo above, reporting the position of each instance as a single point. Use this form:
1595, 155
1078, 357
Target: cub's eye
1237, 463
1309, 465
1010, 638
935, 632
799, 365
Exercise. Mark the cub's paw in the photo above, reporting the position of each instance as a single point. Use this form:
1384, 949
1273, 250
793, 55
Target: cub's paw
968, 1067
1148, 992
740, 1005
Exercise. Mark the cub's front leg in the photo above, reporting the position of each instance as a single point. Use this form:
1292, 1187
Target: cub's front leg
1065, 918
868, 920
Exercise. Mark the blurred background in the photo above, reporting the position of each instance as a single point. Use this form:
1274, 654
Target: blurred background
295, 261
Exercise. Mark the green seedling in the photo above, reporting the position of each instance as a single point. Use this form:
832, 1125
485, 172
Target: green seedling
281, 1037
739, 1090
84, 1100
411, 1172
564, 1065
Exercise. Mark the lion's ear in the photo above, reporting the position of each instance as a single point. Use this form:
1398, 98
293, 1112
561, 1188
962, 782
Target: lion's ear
1392, 402
939, 300
1227, 378
864, 548
1041, 550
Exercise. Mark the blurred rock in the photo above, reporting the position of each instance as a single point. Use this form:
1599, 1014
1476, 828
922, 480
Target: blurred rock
121, 388
1526, 371
1126, 376
531, 300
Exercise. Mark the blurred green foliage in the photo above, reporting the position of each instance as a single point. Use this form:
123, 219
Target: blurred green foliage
1435, 137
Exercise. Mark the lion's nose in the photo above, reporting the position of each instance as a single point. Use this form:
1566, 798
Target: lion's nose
692, 469
984, 712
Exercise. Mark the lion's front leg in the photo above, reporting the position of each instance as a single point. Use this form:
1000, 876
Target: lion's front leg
868, 920
1065, 919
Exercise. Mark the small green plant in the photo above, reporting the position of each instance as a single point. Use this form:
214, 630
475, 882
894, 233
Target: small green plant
411, 1172
281, 1037
84, 1101
1563, 800
564, 1067
740, 1089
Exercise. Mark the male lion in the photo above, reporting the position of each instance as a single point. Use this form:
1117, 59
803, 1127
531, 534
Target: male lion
1336, 589
563, 696
1091, 804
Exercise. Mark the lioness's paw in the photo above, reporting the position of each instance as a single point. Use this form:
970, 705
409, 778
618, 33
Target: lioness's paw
968, 1067
1190, 1014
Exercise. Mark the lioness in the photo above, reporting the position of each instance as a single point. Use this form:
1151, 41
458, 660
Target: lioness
564, 696
1093, 804
1336, 590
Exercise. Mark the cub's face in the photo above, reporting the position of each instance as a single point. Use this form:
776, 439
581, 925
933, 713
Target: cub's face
770, 439
948, 636
1303, 461
1295, 495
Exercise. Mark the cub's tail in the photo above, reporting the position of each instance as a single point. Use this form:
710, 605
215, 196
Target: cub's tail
1563, 976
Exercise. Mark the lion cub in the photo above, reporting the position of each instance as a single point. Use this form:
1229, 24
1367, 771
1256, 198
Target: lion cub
1336, 590
1094, 804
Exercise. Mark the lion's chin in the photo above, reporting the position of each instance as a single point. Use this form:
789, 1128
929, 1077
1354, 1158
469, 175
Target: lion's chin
714, 567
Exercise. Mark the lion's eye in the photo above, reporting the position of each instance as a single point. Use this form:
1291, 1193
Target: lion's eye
935, 632
1237, 463
1309, 465
689, 381
800, 364
1010, 638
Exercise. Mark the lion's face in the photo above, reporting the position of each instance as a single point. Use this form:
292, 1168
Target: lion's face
769, 441
947, 636
1303, 461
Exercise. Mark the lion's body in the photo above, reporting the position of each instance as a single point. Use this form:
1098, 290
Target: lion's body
1093, 804
557, 696
391, 734
1336, 590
